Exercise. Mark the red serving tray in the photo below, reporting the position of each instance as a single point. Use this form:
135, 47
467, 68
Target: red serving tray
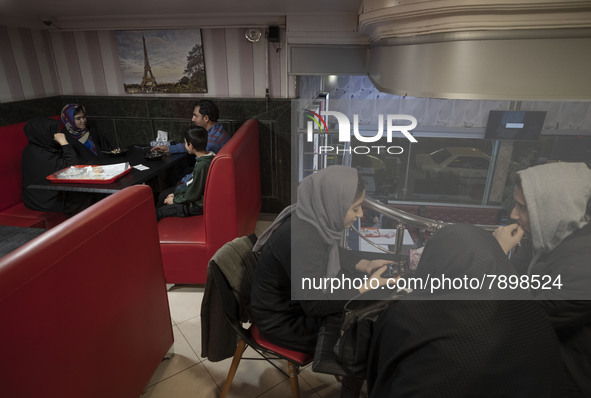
53, 177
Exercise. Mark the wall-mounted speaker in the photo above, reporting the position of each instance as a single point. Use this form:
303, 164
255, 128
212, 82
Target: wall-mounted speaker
273, 34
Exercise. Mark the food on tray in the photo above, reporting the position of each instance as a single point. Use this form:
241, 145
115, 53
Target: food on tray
116, 152
81, 173
72, 172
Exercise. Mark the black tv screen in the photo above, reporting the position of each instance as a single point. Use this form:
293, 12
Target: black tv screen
514, 125
571, 149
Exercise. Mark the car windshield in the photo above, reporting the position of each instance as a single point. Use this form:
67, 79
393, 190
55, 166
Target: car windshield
440, 155
470, 162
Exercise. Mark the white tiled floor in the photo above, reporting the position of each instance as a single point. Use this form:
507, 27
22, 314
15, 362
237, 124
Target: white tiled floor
186, 374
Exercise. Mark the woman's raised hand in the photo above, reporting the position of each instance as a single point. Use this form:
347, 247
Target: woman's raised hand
60, 138
508, 236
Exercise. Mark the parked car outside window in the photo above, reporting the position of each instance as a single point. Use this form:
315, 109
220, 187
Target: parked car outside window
469, 164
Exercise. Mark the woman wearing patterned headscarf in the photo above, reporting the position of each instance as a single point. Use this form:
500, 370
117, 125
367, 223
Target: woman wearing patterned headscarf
303, 242
88, 143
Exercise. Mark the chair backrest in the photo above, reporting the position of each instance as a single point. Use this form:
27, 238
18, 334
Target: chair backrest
232, 268
232, 196
94, 287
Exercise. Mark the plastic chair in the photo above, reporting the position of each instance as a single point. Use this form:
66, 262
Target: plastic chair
250, 336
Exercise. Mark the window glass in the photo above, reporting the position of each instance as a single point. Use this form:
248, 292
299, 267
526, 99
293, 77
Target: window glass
445, 170
440, 155
448, 165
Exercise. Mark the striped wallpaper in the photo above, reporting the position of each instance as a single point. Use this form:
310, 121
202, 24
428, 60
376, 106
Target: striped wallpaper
39, 63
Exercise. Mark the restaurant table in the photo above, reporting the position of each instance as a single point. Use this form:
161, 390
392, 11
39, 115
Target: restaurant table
14, 237
135, 156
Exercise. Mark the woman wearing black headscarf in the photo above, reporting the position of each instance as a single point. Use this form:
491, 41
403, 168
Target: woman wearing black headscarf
286, 314
464, 342
47, 152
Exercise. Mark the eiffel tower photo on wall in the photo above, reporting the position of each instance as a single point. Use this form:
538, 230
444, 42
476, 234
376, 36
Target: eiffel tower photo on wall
162, 61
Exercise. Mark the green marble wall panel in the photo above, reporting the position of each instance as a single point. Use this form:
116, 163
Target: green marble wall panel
134, 120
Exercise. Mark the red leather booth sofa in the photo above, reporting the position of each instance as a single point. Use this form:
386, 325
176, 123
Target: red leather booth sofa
12, 209
83, 307
232, 202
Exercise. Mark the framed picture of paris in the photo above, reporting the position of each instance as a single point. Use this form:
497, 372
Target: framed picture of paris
162, 61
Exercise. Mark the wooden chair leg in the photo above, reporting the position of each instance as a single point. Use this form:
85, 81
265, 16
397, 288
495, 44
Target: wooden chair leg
240, 348
293, 379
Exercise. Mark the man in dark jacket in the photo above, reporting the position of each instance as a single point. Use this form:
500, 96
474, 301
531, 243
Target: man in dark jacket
552, 208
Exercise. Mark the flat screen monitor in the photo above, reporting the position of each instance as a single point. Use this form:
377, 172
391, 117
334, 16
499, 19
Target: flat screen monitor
514, 125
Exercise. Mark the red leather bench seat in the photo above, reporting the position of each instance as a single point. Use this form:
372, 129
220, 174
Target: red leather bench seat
15, 221
182, 242
42, 219
84, 307
12, 210
232, 202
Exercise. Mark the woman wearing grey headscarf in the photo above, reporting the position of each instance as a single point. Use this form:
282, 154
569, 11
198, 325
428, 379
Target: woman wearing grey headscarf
553, 208
303, 245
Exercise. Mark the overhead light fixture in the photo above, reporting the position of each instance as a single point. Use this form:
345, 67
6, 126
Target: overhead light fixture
253, 35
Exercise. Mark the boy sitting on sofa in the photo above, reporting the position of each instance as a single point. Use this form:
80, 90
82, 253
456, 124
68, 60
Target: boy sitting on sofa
188, 200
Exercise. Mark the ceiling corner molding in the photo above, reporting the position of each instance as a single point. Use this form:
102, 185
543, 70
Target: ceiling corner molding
524, 49
323, 29
411, 18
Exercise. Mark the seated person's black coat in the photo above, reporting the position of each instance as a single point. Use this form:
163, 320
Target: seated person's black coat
284, 321
84, 154
41, 157
444, 346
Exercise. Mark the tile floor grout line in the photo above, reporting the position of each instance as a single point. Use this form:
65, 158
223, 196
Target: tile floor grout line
317, 388
287, 381
199, 359
187, 340
177, 321
211, 376
272, 367
272, 387
301, 377
170, 359
171, 376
